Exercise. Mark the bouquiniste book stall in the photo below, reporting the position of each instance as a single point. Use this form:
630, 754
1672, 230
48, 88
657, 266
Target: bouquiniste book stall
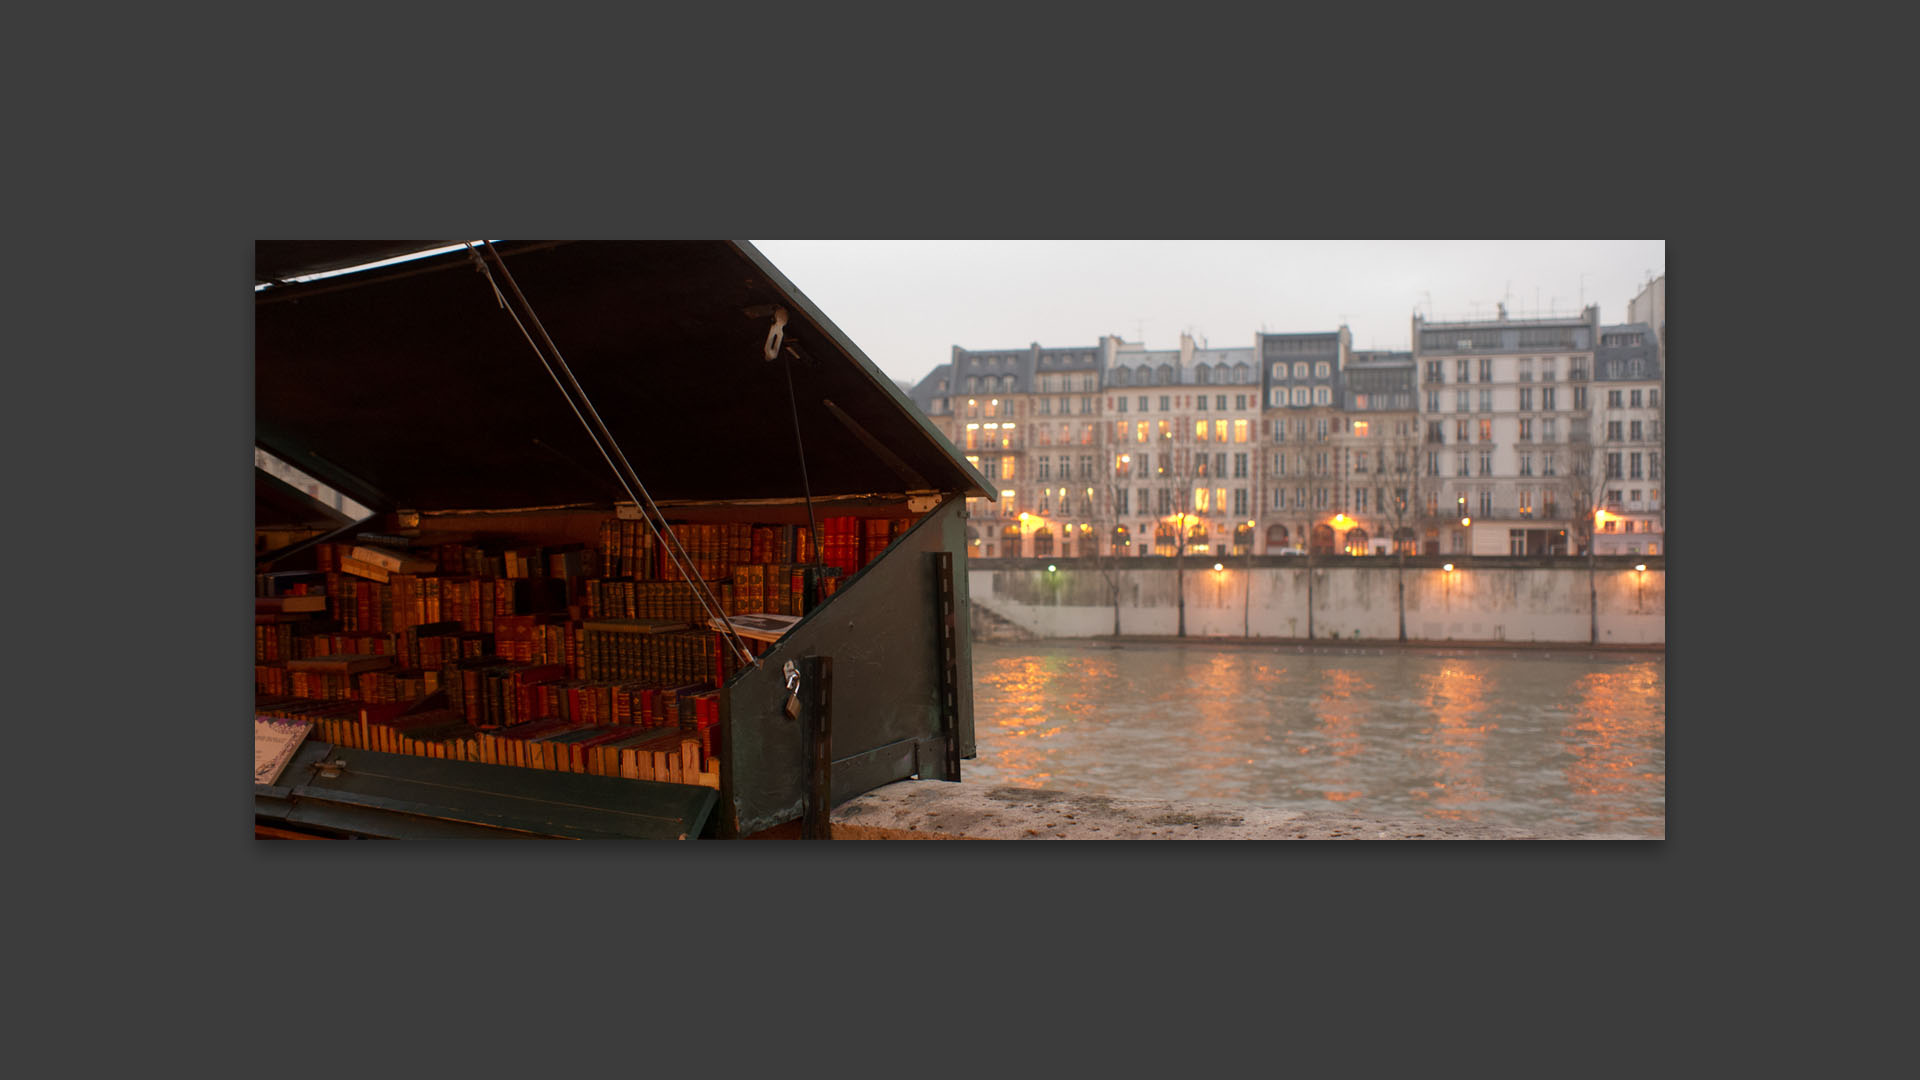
656, 551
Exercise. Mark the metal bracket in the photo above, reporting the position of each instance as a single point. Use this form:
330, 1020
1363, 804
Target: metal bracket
947, 660
330, 768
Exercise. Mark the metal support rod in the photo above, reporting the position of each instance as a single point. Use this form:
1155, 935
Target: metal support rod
817, 677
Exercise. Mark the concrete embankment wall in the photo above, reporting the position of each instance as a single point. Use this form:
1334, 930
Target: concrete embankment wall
1480, 599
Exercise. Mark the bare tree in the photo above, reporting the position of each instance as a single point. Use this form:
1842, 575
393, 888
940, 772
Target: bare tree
1589, 481
1402, 454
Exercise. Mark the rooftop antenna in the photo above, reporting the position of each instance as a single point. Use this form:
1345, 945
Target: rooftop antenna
1583, 290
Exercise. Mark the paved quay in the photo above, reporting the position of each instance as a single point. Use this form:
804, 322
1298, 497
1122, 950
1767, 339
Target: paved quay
933, 810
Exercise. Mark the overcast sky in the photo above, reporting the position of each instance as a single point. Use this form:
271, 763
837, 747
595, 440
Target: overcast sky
906, 303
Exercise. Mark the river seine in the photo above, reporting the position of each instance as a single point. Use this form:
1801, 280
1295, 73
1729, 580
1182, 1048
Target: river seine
1572, 740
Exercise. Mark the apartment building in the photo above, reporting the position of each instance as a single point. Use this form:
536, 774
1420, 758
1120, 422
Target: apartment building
1629, 438
1303, 460
1505, 411
1379, 442
1182, 447
1028, 419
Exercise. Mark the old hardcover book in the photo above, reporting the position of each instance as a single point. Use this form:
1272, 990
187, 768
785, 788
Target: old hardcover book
344, 664
274, 742
395, 561
362, 568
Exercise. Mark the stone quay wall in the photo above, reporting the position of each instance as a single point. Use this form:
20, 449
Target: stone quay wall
1481, 599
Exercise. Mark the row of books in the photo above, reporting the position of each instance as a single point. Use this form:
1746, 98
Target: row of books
669, 755
850, 543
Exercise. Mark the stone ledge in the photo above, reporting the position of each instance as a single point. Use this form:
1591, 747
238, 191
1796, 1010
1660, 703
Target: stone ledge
933, 810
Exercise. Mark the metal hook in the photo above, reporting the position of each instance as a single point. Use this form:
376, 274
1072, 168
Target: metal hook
776, 333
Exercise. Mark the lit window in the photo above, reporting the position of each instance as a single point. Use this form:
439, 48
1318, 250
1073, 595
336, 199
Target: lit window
1240, 431
1220, 430
1200, 430
1360, 429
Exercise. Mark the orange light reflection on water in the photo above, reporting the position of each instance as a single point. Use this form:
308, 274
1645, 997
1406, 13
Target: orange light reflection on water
1617, 739
1456, 696
1039, 698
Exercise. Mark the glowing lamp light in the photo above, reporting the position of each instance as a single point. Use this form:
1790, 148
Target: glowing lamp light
1642, 567
1051, 568
1023, 515
1448, 568
1466, 521
1217, 566
1341, 521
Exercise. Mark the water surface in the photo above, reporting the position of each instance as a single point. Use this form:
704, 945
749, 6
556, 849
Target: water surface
1535, 740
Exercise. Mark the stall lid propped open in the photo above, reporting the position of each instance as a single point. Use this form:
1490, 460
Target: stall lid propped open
410, 386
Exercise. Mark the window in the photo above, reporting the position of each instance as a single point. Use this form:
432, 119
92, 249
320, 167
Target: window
1434, 374
1613, 399
1121, 405
1219, 431
1322, 370
1546, 500
1360, 463
1436, 432
1240, 466
1526, 464
1633, 430
1546, 398
1433, 401
1613, 431
1653, 399
1461, 465
1546, 369
1086, 434
1319, 498
1526, 399
1653, 466
1462, 400
1203, 403
1547, 464
1320, 429
1486, 502
1240, 431
1200, 430
973, 434
1526, 369
1239, 501
1577, 368
1486, 369
993, 407
1433, 504
1463, 371
1360, 499
1486, 430
1163, 402
1360, 428
1300, 370
1460, 430
1322, 395
1526, 502
1300, 395
1239, 401
1633, 466
1516, 541
1633, 399
973, 460
1219, 403
1486, 463
1007, 465
1526, 430
1613, 466
1550, 428
1486, 401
